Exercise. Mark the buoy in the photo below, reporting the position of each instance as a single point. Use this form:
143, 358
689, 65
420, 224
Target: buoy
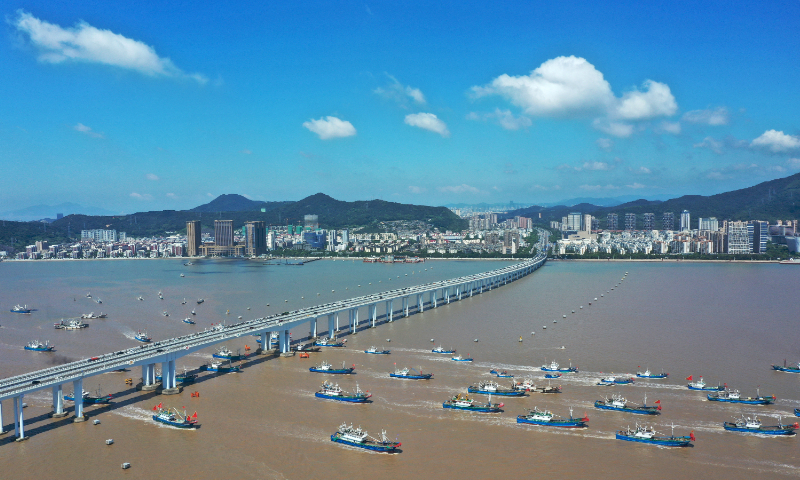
581, 306
126, 466
249, 307
533, 333
563, 347
96, 422
109, 441
595, 298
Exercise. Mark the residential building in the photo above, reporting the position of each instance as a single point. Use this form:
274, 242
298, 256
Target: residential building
630, 221
223, 233
686, 221
710, 224
586, 224
737, 240
612, 222
760, 236
255, 238
193, 241
649, 221
668, 221
574, 221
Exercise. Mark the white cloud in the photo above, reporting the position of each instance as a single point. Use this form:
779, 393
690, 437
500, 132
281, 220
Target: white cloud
711, 144
428, 121
605, 143
209, 195
715, 117
643, 170
504, 118
330, 127
542, 187
598, 187
617, 129
140, 196
670, 127
87, 130
85, 43
172, 195
415, 190
595, 166
246, 151
776, 141
400, 93
635, 185
793, 163
655, 100
463, 188
151, 176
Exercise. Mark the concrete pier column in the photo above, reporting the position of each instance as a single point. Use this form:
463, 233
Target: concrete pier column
405, 305
420, 306
264, 342
355, 320
169, 381
390, 310
433, 299
447, 292
145, 377
58, 401
16, 417
1, 418
77, 389
337, 321
312, 330
331, 325
19, 419
373, 313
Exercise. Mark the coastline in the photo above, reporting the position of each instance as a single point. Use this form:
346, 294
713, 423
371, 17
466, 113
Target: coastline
658, 260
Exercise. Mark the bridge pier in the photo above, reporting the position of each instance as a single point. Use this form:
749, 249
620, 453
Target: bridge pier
1, 418
390, 311
312, 331
149, 377
265, 343
58, 402
405, 305
373, 314
433, 298
169, 384
77, 394
420, 306
337, 321
331, 325
285, 344
19, 419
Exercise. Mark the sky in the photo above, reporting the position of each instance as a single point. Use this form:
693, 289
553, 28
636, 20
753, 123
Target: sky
137, 106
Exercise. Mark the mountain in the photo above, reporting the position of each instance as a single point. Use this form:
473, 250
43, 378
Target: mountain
229, 203
38, 212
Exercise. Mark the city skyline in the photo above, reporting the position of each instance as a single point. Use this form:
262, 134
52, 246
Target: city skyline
439, 104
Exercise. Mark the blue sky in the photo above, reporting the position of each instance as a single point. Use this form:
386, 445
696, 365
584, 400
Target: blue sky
137, 106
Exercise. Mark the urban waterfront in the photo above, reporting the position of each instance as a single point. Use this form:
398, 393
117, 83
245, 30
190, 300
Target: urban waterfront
727, 322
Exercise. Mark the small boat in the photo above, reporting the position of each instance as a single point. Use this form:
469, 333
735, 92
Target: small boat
188, 320
88, 295
613, 380
546, 418
334, 392
92, 316
21, 309
648, 374
326, 367
200, 300
328, 342
165, 313
643, 434
701, 385
501, 374
408, 374
140, 298
440, 349
797, 412
733, 396
219, 367
548, 389
37, 346
553, 375
554, 367
526, 385
459, 358
785, 368
374, 350
183, 302
356, 437
98, 301
88, 398
70, 324
142, 337
753, 425
182, 275
174, 418
620, 404
469, 404
193, 312
307, 347
224, 353
492, 388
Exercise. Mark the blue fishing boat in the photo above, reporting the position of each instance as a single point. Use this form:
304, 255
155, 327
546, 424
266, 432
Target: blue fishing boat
21, 309
459, 358
90, 399
546, 418
37, 346
356, 437
326, 367
701, 385
334, 392
620, 404
142, 337
648, 374
409, 375
733, 396
753, 425
460, 402
554, 367
224, 353
797, 412
219, 367
189, 321
642, 434
440, 349
553, 375
501, 374
174, 418
327, 342
374, 350
788, 369
492, 388
614, 380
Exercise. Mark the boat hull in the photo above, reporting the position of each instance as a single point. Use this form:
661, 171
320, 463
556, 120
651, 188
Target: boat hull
502, 393
219, 369
706, 389
462, 360
769, 430
382, 352
638, 410
344, 398
561, 370
333, 371
40, 349
424, 376
574, 423
477, 409
233, 358
746, 401
334, 345
89, 400
183, 424
797, 412
662, 441
444, 352
786, 369
658, 377
373, 446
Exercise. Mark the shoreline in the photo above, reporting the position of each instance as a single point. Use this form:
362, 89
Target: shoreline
658, 260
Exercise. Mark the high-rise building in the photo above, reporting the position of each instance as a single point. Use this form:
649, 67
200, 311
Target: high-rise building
345, 237
574, 221
271, 240
686, 220
760, 236
630, 221
612, 222
223, 233
710, 224
311, 222
255, 238
737, 240
649, 221
668, 221
193, 241
586, 224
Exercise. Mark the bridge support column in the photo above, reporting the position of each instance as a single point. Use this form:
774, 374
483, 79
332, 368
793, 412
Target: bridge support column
77, 392
149, 377
447, 293
265, 343
390, 311
312, 331
331, 325
420, 303
19, 420
58, 402
285, 343
1, 418
406, 302
169, 384
433, 299
373, 313
355, 321
337, 321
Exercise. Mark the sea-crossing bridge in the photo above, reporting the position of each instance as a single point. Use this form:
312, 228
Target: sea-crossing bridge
168, 351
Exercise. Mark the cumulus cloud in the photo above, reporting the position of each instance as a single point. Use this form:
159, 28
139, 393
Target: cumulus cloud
714, 117
635, 185
504, 118
428, 121
655, 100
605, 143
463, 188
776, 141
85, 43
330, 127
670, 127
617, 129
151, 176
710, 144
87, 130
793, 163
402, 94
415, 190
598, 187
140, 196
595, 166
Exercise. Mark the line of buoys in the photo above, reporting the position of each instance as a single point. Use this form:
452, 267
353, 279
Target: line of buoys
195, 394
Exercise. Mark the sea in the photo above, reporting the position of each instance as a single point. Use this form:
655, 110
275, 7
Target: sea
727, 322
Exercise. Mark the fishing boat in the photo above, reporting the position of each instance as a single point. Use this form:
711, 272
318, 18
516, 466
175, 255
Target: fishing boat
189, 321
193, 312
70, 324
140, 298
733, 396
644, 434
307, 347
200, 300
553, 375
459, 358
184, 377
356, 437
37, 346
753, 425
797, 412
219, 367
165, 313
326, 367
614, 380
328, 342
620, 404
174, 418
224, 353
546, 418
785, 368
334, 392
648, 374
182, 275
701, 385
526, 385
142, 337
500, 374
408, 374
183, 302
98, 301
92, 316
546, 389
374, 350
555, 367
441, 349
90, 399
492, 388
460, 402
21, 309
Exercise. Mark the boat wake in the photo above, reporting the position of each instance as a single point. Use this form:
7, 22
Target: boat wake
136, 413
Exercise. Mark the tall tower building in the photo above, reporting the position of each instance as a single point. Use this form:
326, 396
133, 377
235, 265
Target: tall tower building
668, 221
574, 221
630, 221
223, 233
649, 220
612, 222
311, 222
271, 240
586, 224
686, 220
255, 238
193, 241
760, 236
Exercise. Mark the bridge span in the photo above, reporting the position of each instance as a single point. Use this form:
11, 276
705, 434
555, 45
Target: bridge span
168, 351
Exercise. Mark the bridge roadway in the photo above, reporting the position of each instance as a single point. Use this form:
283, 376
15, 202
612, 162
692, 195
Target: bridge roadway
169, 350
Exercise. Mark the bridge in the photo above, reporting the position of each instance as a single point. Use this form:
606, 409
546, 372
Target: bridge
410, 300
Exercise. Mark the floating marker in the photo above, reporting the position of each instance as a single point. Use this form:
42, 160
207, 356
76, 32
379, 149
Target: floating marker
581, 306
544, 326
520, 339
477, 339
566, 316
